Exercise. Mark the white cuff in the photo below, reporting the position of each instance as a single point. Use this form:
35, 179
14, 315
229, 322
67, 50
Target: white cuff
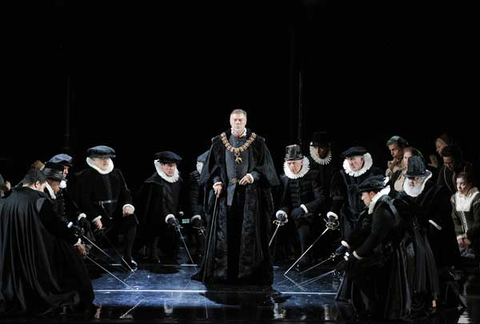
78, 242
251, 177
330, 213
96, 218
356, 255
128, 205
304, 208
438, 227
195, 217
82, 215
345, 244
169, 216
218, 183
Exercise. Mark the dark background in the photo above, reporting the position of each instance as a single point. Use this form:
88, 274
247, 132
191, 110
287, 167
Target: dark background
144, 77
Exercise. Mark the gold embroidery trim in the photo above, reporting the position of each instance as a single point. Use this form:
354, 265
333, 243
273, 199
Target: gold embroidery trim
237, 150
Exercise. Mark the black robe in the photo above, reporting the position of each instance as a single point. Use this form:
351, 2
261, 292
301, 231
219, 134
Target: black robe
39, 267
255, 264
347, 203
304, 190
378, 283
157, 199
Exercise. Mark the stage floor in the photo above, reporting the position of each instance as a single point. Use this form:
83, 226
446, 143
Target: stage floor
165, 293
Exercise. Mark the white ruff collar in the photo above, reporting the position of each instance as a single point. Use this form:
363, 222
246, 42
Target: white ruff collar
412, 192
464, 202
92, 164
303, 171
164, 176
383, 192
319, 160
366, 166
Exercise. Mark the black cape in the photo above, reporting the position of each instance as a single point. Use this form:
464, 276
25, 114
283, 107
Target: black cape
39, 268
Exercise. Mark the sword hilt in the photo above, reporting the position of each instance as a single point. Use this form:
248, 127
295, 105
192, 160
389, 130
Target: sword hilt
279, 222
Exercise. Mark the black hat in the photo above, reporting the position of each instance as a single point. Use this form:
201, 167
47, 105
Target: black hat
293, 152
167, 157
53, 171
202, 157
354, 151
63, 159
416, 167
320, 139
372, 183
101, 151
400, 141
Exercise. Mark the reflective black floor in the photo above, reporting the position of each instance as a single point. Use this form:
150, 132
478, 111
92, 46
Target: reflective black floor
165, 293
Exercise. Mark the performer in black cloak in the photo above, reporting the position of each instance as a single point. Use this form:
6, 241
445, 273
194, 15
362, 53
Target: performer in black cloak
347, 205
430, 203
375, 277
325, 163
240, 172
41, 265
300, 201
161, 200
102, 193
197, 213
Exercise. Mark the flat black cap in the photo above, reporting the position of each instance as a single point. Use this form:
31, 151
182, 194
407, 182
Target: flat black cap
63, 159
167, 157
101, 151
354, 151
373, 183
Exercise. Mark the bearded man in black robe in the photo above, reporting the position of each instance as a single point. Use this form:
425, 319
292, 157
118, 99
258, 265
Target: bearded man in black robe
238, 177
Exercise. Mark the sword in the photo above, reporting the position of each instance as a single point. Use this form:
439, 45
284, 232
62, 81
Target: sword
306, 251
178, 227
89, 258
210, 233
278, 223
333, 256
311, 280
329, 225
80, 232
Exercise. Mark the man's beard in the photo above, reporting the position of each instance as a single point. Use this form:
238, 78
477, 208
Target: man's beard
415, 190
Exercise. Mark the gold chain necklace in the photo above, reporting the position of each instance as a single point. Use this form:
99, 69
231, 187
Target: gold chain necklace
237, 150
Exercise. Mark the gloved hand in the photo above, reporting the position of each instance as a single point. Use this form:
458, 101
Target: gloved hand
77, 231
348, 263
332, 217
196, 221
282, 216
298, 212
172, 220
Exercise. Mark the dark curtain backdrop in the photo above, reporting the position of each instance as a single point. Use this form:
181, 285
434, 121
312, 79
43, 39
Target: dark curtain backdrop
147, 77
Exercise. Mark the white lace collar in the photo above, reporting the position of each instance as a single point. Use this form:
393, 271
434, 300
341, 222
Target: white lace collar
303, 171
164, 176
411, 192
383, 192
464, 202
366, 166
92, 164
319, 160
